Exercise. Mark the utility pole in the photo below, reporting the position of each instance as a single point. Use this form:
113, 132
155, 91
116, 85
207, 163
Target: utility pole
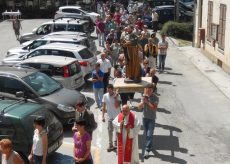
177, 9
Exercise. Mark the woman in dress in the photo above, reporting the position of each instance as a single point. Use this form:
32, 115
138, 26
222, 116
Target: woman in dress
82, 144
40, 142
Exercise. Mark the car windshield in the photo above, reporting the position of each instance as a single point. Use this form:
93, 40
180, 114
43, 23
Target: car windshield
41, 83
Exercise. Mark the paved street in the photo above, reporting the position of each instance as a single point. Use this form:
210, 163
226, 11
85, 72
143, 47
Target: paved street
192, 119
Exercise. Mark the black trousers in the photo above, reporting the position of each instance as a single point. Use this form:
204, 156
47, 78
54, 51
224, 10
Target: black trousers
106, 81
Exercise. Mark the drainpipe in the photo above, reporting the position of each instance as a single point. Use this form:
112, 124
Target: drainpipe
194, 23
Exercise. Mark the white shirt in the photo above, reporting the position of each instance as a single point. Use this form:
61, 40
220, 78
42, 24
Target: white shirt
37, 144
112, 111
105, 65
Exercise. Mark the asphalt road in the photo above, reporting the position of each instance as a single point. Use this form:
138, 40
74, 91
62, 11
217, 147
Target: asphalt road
192, 119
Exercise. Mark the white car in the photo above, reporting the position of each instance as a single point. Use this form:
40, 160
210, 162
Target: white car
66, 11
85, 57
65, 70
28, 46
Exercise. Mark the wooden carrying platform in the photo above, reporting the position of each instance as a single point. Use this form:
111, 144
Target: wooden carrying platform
131, 87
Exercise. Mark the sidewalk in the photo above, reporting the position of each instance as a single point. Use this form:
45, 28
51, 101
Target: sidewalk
213, 72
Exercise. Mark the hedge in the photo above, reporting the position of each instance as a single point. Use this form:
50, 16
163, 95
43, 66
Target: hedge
178, 30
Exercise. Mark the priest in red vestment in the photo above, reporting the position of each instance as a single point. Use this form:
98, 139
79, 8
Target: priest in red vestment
127, 127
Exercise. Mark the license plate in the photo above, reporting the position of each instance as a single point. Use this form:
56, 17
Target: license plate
53, 147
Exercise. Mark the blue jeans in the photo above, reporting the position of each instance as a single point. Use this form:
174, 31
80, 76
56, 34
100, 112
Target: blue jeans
148, 125
162, 62
37, 159
98, 94
101, 39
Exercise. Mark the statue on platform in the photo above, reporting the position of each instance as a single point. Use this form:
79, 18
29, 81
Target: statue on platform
133, 68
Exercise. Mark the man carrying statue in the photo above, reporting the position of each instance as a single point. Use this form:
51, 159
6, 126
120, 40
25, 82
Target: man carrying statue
130, 45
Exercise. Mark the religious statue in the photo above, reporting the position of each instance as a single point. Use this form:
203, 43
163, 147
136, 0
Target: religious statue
133, 68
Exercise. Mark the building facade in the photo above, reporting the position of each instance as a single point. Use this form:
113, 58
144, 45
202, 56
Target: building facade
212, 26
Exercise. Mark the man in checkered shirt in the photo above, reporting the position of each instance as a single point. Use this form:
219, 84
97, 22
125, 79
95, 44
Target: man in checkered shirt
162, 50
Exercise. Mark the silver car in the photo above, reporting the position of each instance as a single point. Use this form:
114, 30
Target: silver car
65, 24
65, 70
72, 39
39, 87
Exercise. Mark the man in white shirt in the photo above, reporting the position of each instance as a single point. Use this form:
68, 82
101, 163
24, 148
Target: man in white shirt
111, 103
105, 68
155, 18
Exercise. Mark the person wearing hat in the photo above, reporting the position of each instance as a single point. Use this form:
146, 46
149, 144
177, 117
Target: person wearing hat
148, 105
82, 143
40, 142
155, 18
87, 115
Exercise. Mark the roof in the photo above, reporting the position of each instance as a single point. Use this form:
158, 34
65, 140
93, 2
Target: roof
64, 37
50, 59
66, 33
66, 20
165, 6
62, 46
16, 71
66, 7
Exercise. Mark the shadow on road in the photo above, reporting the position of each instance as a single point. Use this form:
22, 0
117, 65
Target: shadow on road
165, 82
174, 73
59, 158
163, 110
164, 142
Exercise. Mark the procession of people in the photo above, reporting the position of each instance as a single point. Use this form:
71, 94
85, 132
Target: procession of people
133, 52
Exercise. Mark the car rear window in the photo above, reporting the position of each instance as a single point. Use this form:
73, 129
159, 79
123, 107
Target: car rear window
85, 54
74, 68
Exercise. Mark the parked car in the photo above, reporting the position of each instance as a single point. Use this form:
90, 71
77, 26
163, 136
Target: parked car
166, 13
188, 3
85, 57
40, 88
31, 45
62, 24
65, 70
75, 11
17, 119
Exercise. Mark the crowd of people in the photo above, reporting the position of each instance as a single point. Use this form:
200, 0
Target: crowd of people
114, 27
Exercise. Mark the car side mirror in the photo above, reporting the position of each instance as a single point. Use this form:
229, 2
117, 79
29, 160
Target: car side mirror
19, 94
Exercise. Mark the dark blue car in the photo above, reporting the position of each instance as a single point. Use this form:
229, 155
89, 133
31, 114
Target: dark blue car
166, 13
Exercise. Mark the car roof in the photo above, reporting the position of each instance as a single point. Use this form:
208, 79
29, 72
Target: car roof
66, 33
165, 6
16, 71
63, 37
62, 46
50, 59
66, 21
67, 7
